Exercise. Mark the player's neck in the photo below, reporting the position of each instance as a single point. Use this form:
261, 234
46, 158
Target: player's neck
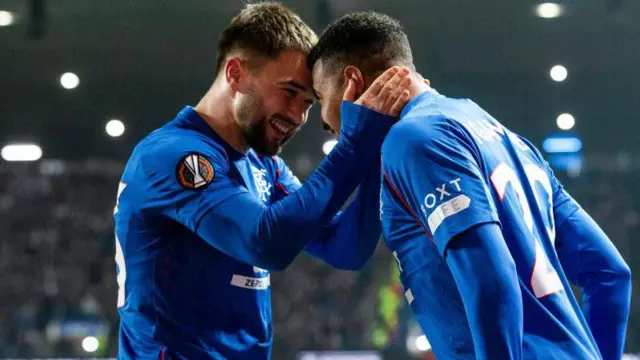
418, 85
215, 109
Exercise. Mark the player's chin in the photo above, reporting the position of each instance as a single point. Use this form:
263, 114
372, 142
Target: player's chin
270, 148
276, 148
274, 145
273, 151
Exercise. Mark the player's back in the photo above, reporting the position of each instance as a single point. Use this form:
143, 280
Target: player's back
521, 185
519, 188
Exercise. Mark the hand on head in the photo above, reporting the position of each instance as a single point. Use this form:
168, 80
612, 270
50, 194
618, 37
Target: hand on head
388, 94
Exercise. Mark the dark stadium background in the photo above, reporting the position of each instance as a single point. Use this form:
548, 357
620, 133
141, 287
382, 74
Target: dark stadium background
142, 61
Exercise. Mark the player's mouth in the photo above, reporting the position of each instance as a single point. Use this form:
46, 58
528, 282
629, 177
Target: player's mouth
281, 127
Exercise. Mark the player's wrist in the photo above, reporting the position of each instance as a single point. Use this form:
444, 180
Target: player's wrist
362, 124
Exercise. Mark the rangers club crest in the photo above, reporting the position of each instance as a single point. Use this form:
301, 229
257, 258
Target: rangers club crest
262, 185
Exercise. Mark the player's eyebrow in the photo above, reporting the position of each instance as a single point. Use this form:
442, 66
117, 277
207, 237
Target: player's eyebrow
294, 84
297, 86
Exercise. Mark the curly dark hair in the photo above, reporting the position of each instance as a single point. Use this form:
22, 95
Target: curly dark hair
369, 40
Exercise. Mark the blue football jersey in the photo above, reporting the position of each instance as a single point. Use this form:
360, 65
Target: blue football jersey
449, 166
169, 270
193, 259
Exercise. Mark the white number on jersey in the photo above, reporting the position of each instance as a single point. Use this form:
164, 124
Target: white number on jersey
544, 279
122, 269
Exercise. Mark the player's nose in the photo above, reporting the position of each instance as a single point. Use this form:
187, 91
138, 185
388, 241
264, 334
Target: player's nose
297, 113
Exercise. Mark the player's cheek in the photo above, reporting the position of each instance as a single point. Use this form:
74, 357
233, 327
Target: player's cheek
335, 121
325, 113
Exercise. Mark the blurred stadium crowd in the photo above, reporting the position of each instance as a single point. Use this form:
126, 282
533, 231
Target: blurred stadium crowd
60, 286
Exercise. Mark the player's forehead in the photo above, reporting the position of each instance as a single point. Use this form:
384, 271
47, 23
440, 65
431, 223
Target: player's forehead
289, 66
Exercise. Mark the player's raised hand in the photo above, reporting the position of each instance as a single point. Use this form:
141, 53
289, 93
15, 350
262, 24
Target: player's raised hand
388, 94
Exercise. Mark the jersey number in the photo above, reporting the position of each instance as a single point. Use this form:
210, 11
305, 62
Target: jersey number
544, 279
122, 269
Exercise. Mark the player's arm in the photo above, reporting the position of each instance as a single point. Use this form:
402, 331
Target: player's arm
351, 238
352, 235
232, 220
591, 261
486, 276
433, 172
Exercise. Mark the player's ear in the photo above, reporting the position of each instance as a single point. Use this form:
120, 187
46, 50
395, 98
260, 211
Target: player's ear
235, 73
352, 72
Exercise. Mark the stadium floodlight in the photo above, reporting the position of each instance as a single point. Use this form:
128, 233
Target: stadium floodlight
422, 343
549, 10
114, 128
562, 145
90, 344
21, 152
6, 18
558, 73
69, 80
328, 146
565, 121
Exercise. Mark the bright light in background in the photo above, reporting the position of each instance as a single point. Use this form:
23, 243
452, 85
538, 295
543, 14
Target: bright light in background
422, 343
549, 10
565, 121
557, 145
90, 344
21, 152
328, 146
6, 18
114, 128
69, 80
558, 73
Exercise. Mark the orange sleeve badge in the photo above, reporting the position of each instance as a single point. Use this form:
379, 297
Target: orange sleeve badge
194, 171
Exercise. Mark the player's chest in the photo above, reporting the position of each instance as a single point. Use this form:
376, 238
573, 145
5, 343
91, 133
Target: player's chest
257, 178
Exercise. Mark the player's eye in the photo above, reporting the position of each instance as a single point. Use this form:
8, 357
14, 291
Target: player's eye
290, 92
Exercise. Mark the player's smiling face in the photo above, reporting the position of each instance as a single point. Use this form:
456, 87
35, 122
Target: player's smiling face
329, 89
275, 103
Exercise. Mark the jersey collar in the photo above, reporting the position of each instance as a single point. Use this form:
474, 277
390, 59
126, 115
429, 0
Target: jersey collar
428, 95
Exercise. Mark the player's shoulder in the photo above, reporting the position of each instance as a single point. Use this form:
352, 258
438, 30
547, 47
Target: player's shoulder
175, 153
170, 144
420, 137
423, 132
